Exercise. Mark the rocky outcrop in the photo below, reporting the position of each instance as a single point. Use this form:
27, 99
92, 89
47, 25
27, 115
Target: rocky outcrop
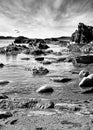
84, 34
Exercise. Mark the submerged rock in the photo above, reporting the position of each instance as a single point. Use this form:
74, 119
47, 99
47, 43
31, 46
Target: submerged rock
61, 80
86, 82
1, 65
45, 89
83, 73
4, 82
40, 71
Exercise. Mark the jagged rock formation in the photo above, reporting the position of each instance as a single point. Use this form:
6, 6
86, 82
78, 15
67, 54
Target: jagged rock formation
84, 34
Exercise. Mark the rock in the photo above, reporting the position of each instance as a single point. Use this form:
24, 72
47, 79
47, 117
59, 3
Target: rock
39, 58
61, 80
86, 82
40, 71
83, 73
62, 59
20, 39
14, 122
1, 65
25, 58
86, 59
46, 62
2, 96
45, 89
5, 114
84, 34
4, 82
67, 107
28, 104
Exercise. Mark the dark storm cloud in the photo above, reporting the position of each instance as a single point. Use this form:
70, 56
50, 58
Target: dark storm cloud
31, 15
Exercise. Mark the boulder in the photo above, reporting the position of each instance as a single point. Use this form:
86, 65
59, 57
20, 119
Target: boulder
86, 82
1, 65
45, 89
40, 71
83, 73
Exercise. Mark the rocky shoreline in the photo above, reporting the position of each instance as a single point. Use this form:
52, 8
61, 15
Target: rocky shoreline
46, 108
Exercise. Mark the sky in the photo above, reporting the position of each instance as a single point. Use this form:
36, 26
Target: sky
43, 18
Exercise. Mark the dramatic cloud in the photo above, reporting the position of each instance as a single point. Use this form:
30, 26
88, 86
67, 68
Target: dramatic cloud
43, 18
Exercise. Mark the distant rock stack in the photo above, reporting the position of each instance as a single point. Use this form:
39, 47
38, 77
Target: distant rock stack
83, 35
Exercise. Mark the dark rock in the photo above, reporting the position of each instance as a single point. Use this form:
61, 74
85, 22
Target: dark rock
1, 65
39, 58
2, 96
45, 89
84, 34
86, 59
62, 59
25, 58
14, 122
40, 71
5, 114
4, 82
20, 39
46, 62
61, 80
